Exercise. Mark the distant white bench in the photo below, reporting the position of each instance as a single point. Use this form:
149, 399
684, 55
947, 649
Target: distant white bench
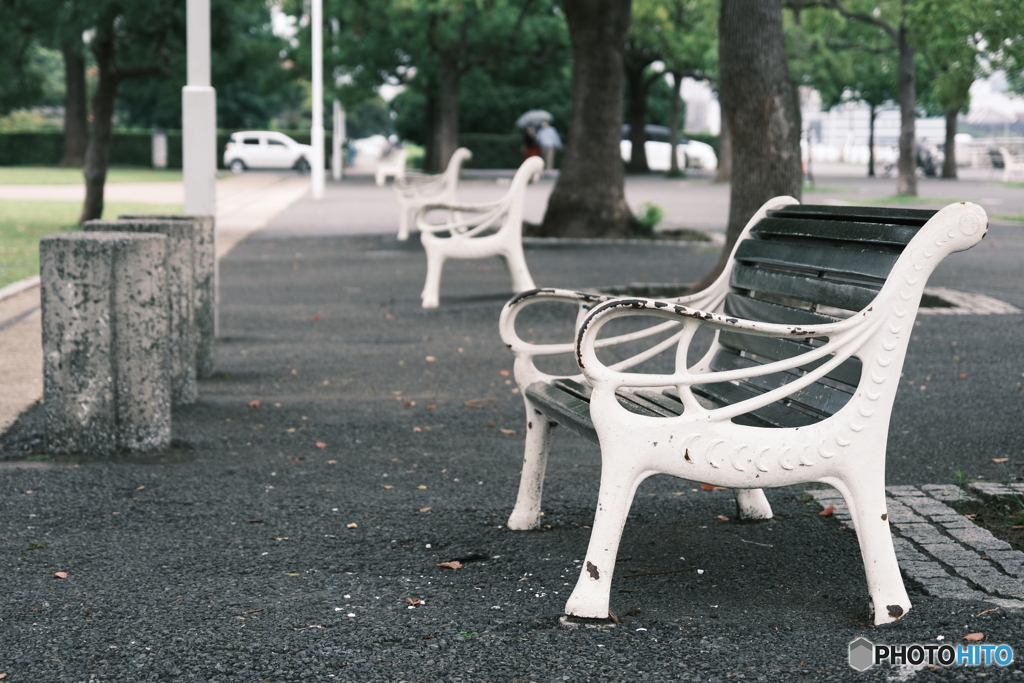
416, 189
811, 317
1011, 165
391, 166
472, 231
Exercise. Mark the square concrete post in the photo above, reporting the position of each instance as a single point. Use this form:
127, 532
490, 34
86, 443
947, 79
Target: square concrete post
179, 259
106, 371
205, 279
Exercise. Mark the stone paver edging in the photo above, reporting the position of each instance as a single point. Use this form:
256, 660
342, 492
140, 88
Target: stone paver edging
940, 549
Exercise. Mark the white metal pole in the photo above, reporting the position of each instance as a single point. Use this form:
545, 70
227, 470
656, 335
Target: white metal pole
199, 116
338, 120
317, 132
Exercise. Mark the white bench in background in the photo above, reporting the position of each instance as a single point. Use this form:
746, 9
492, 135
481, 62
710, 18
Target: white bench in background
391, 166
1011, 165
416, 189
811, 320
472, 231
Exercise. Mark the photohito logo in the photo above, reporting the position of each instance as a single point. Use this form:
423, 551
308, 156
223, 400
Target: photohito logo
864, 654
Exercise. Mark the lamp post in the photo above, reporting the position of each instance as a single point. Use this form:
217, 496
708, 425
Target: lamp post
199, 116
317, 132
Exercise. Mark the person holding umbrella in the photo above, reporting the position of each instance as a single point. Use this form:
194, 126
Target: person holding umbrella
549, 141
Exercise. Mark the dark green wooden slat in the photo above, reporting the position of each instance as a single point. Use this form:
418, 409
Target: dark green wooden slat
847, 372
867, 214
773, 415
838, 231
816, 397
849, 296
814, 258
767, 312
565, 409
668, 404
577, 389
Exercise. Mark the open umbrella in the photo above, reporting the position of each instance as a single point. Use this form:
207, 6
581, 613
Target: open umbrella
534, 118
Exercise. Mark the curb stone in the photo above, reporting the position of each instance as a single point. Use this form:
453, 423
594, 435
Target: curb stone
943, 551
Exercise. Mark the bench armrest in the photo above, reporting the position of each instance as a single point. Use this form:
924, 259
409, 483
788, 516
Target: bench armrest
845, 337
464, 220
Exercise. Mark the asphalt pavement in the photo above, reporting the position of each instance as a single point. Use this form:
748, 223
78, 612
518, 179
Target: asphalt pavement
351, 443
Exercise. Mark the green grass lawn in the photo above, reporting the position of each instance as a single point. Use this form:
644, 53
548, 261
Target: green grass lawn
22, 223
49, 175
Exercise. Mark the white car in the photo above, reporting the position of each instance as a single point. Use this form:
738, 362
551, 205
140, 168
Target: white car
265, 149
689, 153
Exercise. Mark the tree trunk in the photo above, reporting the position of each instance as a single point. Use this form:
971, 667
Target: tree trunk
444, 135
871, 141
97, 152
906, 183
76, 133
724, 172
674, 125
637, 118
762, 108
589, 197
949, 164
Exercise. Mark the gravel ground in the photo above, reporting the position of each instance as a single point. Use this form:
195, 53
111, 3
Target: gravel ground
299, 539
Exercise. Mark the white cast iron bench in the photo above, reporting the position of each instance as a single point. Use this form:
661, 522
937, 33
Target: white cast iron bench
391, 166
811, 317
472, 231
416, 189
1011, 165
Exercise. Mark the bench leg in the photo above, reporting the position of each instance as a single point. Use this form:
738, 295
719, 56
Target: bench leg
865, 497
590, 597
526, 514
516, 262
752, 504
403, 222
432, 289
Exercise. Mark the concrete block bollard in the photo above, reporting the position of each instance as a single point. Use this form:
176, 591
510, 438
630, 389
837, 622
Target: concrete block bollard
205, 281
179, 259
106, 371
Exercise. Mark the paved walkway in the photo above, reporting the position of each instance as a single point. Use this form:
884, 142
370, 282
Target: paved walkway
351, 444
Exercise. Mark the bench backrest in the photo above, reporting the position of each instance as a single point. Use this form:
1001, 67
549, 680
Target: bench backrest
805, 265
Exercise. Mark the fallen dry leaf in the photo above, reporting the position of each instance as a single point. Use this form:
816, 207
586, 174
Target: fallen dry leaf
290, 430
974, 637
321, 444
316, 317
416, 429
3, 676
504, 373
421, 486
508, 431
712, 487
431, 407
256, 403
430, 359
388, 486
827, 512
60, 575
353, 525
424, 510
475, 402
723, 518
414, 602
332, 462
999, 459
410, 404
454, 564
963, 374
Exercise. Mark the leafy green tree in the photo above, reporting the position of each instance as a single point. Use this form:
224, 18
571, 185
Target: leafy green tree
845, 62
129, 40
434, 43
247, 71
